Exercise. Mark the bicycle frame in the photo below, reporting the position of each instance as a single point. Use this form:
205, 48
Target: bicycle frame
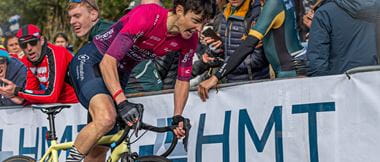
52, 153
120, 138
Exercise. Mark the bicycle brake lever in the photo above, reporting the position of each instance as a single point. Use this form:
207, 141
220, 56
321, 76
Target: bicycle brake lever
187, 126
138, 124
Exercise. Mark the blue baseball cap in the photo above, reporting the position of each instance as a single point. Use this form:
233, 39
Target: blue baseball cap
4, 55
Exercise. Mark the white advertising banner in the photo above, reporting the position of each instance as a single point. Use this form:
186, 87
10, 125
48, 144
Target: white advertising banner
320, 119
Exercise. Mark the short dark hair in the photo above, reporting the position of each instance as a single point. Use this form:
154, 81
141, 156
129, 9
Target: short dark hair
205, 7
63, 35
6, 39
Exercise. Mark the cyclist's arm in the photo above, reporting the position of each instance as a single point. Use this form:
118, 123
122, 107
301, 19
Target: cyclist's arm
108, 68
181, 92
185, 62
132, 29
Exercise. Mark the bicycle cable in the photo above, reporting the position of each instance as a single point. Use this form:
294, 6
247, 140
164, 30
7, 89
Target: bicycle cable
137, 137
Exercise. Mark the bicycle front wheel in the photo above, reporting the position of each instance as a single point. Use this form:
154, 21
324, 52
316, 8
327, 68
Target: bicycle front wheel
152, 158
20, 158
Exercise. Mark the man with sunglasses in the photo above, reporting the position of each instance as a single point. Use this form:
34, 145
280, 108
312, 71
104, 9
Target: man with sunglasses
47, 68
84, 19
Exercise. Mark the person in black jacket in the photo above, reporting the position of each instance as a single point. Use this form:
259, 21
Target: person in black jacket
233, 26
339, 41
13, 70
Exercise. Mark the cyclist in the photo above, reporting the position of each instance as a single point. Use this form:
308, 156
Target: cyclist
276, 28
99, 70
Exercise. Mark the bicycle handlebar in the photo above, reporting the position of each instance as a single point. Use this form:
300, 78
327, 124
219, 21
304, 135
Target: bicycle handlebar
159, 130
141, 125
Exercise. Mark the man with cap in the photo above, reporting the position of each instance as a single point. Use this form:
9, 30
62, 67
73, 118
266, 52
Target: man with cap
17, 75
46, 71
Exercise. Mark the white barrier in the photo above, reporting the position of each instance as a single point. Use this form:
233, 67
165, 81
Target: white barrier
326, 119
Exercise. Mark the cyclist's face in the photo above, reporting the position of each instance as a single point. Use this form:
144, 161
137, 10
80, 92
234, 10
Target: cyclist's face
13, 46
82, 19
189, 23
236, 3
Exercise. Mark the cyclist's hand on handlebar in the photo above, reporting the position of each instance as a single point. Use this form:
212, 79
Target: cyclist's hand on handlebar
130, 112
179, 131
182, 129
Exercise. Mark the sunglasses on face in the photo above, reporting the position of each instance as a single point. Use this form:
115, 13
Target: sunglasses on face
24, 45
79, 1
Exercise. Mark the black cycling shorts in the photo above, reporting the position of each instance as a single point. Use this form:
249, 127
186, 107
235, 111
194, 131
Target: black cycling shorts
85, 74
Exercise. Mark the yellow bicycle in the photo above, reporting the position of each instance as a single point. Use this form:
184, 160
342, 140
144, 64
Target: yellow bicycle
122, 150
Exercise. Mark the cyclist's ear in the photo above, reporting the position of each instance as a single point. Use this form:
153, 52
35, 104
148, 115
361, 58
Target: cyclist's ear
179, 10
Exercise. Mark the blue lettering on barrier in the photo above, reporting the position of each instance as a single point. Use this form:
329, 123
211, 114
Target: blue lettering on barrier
312, 110
209, 139
245, 122
80, 127
28, 150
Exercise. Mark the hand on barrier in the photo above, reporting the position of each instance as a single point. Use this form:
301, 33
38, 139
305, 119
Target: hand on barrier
205, 86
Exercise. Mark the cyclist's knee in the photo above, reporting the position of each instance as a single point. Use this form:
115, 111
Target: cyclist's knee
107, 121
103, 112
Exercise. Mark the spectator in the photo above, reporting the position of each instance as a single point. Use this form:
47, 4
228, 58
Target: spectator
13, 70
86, 23
338, 41
61, 39
276, 29
47, 68
234, 26
85, 19
12, 46
308, 17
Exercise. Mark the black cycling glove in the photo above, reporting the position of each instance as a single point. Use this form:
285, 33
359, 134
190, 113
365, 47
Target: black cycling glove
129, 112
177, 119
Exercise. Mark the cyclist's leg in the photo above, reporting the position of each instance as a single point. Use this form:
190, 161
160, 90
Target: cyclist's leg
92, 94
104, 116
98, 153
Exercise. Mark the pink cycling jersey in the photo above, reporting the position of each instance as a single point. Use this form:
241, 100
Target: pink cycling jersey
142, 34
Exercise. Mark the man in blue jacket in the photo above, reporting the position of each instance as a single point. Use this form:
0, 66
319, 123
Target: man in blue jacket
13, 70
339, 40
